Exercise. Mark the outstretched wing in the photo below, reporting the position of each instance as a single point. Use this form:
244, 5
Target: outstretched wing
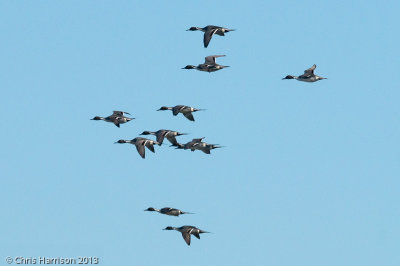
186, 236
177, 109
206, 151
116, 122
160, 138
197, 140
208, 35
140, 149
196, 234
210, 60
149, 146
189, 116
310, 71
120, 113
172, 139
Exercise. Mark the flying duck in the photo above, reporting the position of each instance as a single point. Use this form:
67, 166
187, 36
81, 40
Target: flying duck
164, 133
185, 110
186, 231
118, 117
140, 143
209, 31
308, 75
209, 65
191, 145
205, 147
168, 211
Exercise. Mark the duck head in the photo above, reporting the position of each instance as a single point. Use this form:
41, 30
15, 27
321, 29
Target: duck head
146, 133
97, 118
189, 67
169, 228
150, 209
193, 29
163, 108
121, 141
288, 77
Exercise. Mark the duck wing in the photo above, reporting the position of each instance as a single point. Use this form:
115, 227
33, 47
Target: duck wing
196, 234
140, 148
160, 136
189, 116
206, 151
115, 120
120, 113
310, 71
210, 60
177, 109
186, 236
149, 145
197, 140
172, 139
208, 35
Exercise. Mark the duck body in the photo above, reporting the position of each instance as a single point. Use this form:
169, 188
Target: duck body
187, 231
168, 211
183, 109
198, 144
170, 135
209, 31
117, 118
191, 145
209, 64
205, 147
308, 75
140, 143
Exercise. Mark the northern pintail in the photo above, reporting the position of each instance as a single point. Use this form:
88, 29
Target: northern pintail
198, 144
183, 109
209, 31
186, 231
209, 65
168, 211
191, 145
205, 147
140, 143
164, 133
308, 75
118, 117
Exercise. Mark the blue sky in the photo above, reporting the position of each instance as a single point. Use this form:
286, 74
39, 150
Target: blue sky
309, 174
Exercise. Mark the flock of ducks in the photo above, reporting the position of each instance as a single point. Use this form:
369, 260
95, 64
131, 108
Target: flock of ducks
209, 65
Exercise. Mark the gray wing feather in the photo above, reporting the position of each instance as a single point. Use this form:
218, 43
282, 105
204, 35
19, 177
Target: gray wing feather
177, 109
150, 146
310, 71
140, 149
186, 236
208, 35
189, 116
172, 139
211, 59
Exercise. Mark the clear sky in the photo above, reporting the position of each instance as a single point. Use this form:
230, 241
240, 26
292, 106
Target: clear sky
310, 172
